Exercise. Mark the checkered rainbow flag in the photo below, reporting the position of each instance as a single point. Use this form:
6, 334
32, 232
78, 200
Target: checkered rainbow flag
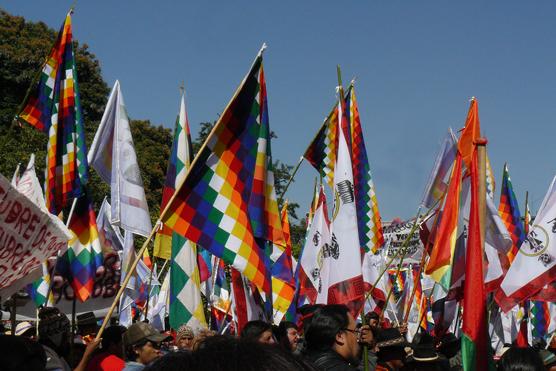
53, 106
211, 206
368, 216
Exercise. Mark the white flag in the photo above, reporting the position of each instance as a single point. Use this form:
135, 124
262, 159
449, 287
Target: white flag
535, 264
342, 258
110, 236
113, 156
311, 257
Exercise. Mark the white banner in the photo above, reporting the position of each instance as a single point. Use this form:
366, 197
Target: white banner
28, 235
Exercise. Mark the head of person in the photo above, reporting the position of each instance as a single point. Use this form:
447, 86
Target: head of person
259, 331
112, 340
21, 353
54, 330
449, 345
424, 358
548, 359
522, 359
184, 338
391, 347
372, 319
87, 324
333, 328
25, 329
142, 343
226, 353
287, 335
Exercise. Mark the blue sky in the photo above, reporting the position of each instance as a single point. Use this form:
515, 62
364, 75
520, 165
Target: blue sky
417, 64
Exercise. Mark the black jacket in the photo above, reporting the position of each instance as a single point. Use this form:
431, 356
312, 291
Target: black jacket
329, 360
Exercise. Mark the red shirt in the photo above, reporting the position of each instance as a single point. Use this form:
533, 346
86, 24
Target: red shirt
105, 362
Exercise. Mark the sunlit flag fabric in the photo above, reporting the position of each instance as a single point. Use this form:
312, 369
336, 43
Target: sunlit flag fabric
283, 285
110, 236
368, 216
322, 151
53, 106
535, 264
437, 185
509, 212
113, 156
342, 258
29, 185
84, 254
439, 265
310, 266
210, 207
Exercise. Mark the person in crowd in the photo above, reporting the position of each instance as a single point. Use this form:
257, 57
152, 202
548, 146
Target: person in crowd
391, 350
184, 338
425, 358
372, 319
520, 359
111, 355
55, 337
21, 353
142, 344
333, 339
201, 335
450, 347
226, 353
548, 359
259, 331
26, 329
87, 326
287, 335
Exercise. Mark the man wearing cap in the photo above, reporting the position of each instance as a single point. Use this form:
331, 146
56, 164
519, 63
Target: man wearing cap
142, 344
184, 338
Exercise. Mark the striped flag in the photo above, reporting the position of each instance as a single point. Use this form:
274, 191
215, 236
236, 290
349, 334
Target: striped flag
368, 216
509, 212
540, 319
54, 107
210, 207
439, 266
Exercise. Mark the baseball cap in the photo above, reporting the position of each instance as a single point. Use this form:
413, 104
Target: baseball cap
140, 331
22, 327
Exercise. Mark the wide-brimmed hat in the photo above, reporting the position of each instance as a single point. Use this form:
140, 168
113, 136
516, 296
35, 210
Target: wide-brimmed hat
424, 353
142, 331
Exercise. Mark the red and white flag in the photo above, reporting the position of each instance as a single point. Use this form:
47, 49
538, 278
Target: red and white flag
342, 258
535, 264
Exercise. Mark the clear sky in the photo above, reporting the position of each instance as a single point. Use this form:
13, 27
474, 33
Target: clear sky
417, 64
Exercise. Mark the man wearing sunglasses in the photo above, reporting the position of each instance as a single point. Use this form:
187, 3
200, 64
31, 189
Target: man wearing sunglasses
333, 339
142, 343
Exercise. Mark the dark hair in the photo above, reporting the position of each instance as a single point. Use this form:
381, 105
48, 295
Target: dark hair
281, 333
54, 330
112, 335
520, 359
325, 324
226, 353
254, 329
21, 353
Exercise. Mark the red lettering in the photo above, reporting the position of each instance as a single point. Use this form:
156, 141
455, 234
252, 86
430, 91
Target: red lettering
14, 212
31, 227
23, 219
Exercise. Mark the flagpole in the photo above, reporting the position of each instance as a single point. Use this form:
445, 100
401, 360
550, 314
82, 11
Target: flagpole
421, 264
51, 283
127, 278
290, 180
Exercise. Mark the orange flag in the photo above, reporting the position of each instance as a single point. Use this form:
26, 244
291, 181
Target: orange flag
470, 133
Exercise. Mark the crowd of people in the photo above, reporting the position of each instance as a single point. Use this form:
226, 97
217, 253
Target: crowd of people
327, 338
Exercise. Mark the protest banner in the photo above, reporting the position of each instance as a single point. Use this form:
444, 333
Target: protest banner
28, 236
395, 235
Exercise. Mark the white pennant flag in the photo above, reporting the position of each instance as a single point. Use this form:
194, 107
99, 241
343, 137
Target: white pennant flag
113, 156
535, 264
